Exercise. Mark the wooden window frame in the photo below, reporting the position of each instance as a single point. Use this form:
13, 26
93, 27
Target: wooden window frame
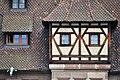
69, 39
20, 39
90, 44
18, 4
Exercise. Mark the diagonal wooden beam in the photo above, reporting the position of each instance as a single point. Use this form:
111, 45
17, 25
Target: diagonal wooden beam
84, 41
103, 45
84, 32
86, 46
55, 32
74, 32
103, 32
74, 44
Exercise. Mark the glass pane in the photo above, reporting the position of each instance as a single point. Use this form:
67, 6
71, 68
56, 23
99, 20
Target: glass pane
24, 39
65, 39
21, 5
15, 5
15, 1
94, 39
16, 38
22, 1
24, 36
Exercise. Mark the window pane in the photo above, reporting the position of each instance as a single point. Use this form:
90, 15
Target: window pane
94, 39
24, 39
24, 36
15, 1
22, 1
21, 5
16, 38
65, 39
15, 5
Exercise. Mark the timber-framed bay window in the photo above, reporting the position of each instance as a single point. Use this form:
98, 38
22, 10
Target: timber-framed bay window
18, 4
17, 39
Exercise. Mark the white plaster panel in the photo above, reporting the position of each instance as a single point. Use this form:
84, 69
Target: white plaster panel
54, 49
94, 50
65, 50
57, 38
105, 49
83, 49
72, 58
55, 24
65, 30
64, 58
55, 58
104, 24
84, 24
105, 30
53, 30
104, 58
94, 30
102, 38
82, 30
73, 38
84, 59
75, 50
86, 38
94, 58
76, 30
74, 24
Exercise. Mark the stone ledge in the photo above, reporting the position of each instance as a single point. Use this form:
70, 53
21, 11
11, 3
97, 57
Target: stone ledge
79, 66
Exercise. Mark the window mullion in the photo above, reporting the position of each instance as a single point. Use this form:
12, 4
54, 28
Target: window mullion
18, 3
20, 39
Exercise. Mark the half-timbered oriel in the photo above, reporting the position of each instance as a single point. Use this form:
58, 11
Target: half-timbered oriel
79, 40
59, 39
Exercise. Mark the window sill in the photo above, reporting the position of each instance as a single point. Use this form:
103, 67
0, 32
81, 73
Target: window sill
18, 10
17, 46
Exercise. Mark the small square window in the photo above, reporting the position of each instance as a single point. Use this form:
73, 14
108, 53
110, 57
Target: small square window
65, 39
17, 39
19, 4
94, 40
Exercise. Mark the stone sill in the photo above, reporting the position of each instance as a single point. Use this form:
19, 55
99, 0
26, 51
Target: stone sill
79, 66
18, 10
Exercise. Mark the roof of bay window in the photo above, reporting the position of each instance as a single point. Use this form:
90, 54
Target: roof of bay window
17, 24
79, 10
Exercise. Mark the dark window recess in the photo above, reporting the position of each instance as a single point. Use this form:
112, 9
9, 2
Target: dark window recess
10, 39
21, 4
17, 39
65, 39
94, 39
